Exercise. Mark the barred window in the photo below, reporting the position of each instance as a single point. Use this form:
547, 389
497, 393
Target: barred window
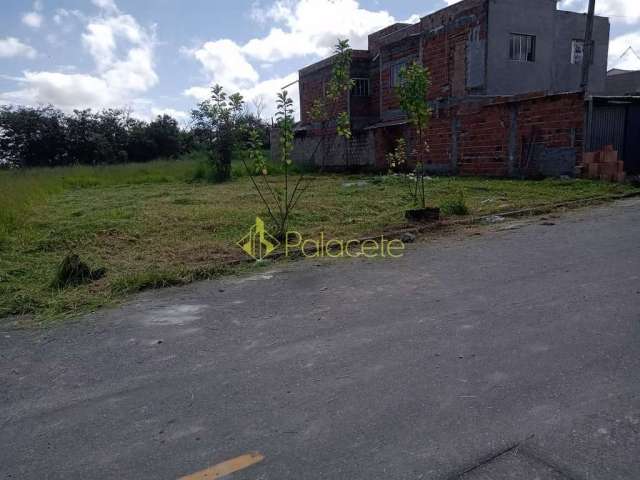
360, 87
522, 48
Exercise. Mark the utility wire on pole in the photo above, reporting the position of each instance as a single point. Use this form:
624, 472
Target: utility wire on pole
587, 57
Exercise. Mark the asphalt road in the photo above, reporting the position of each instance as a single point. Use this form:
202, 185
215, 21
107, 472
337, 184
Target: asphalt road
514, 354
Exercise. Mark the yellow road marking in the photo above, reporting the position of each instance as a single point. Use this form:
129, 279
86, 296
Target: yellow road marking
226, 468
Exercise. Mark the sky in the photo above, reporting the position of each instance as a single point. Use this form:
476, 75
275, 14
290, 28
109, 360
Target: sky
161, 56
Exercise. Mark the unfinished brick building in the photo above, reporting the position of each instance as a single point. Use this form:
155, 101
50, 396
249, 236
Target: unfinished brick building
505, 92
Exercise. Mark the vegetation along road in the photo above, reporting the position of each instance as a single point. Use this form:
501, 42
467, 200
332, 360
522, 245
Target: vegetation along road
476, 354
155, 224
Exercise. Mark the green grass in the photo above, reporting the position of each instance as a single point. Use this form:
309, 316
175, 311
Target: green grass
24, 189
151, 226
455, 205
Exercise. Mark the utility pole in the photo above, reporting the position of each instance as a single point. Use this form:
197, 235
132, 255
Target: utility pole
587, 55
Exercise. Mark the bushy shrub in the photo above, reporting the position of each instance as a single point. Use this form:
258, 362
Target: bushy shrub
455, 206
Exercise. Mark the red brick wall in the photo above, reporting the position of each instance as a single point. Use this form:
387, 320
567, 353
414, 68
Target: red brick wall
374, 100
484, 132
483, 140
556, 121
312, 87
407, 49
439, 137
445, 49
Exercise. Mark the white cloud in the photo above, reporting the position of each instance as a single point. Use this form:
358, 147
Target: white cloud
197, 93
624, 51
32, 19
266, 90
107, 5
224, 63
66, 91
626, 11
312, 27
177, 114
12, 47
62, 18
122, 51
301, 28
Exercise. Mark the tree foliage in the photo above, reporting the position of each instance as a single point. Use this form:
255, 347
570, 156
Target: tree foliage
329, 107
279, 202
47, 137
415, 82
412, 92
221, 124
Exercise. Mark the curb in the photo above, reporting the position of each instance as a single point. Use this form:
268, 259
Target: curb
542, 209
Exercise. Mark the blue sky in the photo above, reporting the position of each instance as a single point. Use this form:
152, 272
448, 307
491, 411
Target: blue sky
161, 55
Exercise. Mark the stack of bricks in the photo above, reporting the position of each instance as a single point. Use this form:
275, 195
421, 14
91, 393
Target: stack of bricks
604, 165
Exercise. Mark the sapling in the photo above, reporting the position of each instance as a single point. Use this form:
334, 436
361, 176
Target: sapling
412, 91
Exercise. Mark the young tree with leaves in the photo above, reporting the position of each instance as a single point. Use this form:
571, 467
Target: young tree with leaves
329, 107
283, 200
215, 122
412, 91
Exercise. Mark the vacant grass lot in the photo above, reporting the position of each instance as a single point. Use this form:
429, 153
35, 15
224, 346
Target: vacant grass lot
149, 226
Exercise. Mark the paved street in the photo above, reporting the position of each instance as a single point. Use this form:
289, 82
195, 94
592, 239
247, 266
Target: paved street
513, 354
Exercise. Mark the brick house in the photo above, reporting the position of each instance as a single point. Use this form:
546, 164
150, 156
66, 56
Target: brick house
505, 92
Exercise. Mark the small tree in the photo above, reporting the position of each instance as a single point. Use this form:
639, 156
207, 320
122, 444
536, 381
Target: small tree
415, 83
327, 108
215, 122
284, 200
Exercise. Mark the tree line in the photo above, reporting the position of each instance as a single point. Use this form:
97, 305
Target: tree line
46, 136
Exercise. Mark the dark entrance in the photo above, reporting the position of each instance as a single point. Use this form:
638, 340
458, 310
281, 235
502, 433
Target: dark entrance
616, 121
632, 141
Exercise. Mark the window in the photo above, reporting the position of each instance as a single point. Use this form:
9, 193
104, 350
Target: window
360, 87
395, 73
522, 48
577, 51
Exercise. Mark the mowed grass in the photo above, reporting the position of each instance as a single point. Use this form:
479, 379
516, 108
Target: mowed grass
150, 226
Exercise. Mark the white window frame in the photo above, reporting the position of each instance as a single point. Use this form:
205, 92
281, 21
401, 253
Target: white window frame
577, 51
522, 47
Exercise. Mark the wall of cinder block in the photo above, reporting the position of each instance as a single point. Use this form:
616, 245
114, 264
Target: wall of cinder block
332, 152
